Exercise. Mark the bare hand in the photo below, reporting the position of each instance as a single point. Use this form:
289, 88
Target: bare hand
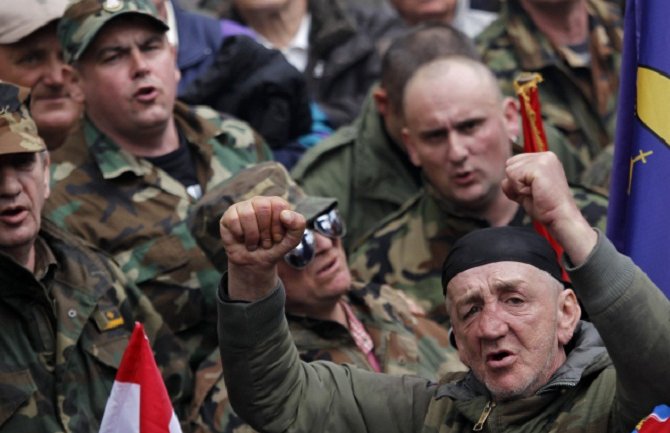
256, 235
537, 182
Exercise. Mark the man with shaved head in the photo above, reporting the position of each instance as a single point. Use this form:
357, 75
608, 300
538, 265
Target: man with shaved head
460, 136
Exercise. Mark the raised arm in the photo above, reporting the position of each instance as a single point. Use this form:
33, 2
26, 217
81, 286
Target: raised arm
269, 387
629, 311
256, 234
537, 181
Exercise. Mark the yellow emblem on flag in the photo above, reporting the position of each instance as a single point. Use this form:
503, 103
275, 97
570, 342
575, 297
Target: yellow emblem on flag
653, 102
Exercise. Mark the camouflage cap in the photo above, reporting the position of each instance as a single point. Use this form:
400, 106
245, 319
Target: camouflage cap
18, 20
83, 20
267, 179
18, 133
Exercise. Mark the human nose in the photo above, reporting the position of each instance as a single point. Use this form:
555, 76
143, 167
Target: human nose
323, 243
140, 65
55, 71
491, 325
458, 148
9, 183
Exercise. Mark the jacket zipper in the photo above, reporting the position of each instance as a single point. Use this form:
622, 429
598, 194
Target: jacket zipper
485, 414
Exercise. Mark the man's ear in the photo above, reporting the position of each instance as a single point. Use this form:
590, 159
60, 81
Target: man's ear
569, 313
410, 145
511, 115
381, 99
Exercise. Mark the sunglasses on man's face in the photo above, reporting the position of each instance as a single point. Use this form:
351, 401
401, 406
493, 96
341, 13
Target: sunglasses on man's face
328, 224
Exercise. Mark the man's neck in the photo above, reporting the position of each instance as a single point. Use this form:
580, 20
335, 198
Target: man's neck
24, 256
501, 211
331, 311
149, 143
564, 23
278, 26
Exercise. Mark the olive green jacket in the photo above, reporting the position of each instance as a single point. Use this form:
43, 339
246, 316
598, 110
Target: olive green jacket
593, 392
363, 168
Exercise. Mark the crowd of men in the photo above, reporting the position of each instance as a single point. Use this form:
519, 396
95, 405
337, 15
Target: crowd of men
339, 238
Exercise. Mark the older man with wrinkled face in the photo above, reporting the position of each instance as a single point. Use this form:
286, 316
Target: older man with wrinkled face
30, 56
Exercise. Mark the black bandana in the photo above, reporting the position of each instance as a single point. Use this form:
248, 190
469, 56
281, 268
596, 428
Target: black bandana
500, 244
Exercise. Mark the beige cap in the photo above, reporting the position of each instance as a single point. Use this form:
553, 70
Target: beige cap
18, 19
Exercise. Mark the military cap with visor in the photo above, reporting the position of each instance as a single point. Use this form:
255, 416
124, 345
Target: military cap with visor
265, 179
83, 20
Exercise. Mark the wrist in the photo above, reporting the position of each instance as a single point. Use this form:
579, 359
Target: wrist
250, 283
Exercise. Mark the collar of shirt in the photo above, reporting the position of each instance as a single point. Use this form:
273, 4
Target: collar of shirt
297, 49
360, 336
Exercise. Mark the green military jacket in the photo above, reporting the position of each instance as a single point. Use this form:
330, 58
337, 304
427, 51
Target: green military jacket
578, 96
403, 344
136, 212
363, 168
65, 329
593, 392
407, 249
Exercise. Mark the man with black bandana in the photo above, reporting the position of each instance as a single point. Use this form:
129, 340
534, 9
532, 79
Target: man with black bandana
534, 366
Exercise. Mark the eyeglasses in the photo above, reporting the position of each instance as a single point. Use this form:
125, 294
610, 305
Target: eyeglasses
328, 224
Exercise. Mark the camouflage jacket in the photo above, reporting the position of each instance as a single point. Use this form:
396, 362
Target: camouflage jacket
136, 212
578, 97
407, 249
363, 168
64, 332
595, 391
404, 343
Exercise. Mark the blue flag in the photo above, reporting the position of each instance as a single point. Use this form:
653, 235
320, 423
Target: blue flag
639, 208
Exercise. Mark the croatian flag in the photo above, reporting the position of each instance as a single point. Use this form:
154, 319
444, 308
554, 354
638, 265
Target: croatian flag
139, 402
657, 422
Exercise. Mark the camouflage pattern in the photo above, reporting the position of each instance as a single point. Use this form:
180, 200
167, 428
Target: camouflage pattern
265, 179
578, 98
83, 19
137, 212
18, 133
407, 249
404, 344
64, 332
364, 169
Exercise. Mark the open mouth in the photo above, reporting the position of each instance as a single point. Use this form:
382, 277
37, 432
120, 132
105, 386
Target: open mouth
145, 93
13, 214
499, 359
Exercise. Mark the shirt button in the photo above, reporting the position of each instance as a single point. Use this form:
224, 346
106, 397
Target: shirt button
72, 313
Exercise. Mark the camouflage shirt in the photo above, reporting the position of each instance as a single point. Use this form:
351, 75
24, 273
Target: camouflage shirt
407, 250
403, 342
579, 90
65, 328
364, 169
136, 212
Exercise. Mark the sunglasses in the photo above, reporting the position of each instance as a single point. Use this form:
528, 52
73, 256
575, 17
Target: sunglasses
328, 224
